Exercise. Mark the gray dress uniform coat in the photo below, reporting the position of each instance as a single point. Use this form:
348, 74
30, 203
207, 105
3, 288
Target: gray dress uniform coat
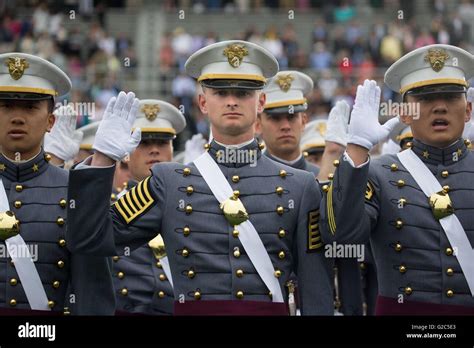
37, 194
208, 262
415, 261
350, 292
141, 285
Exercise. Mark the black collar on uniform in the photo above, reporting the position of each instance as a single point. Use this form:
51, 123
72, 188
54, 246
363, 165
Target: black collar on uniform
235, 158
20, 172
446, 156
299, 164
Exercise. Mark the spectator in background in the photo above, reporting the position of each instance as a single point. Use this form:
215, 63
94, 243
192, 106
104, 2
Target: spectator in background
320, 58
345, 12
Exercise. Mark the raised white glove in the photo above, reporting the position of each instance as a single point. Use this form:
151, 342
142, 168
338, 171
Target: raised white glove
338, 123
63, 141
194, 147
114, 137
364, 127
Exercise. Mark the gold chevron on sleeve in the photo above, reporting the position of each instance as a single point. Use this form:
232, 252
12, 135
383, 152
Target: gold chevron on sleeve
314, 237
135, 202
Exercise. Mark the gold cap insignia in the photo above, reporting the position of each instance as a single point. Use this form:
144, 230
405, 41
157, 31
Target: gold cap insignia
235, 54
436, 57
16, 67
150, 111
321, 128
284, 81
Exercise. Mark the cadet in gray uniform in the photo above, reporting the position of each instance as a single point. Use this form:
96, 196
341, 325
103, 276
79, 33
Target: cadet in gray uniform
141, 278
220, 264
36, 195
419, 226
283, 120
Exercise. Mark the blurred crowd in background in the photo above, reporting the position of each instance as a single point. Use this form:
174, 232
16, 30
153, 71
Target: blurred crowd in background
338, 60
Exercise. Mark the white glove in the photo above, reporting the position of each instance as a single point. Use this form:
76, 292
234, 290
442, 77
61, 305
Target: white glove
468, 131
338, 123
63, 141
470, 98
194, 148
114, 137
364, 127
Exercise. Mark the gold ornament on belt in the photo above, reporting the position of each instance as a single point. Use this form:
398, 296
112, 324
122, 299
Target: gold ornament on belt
16, 67
441, 205
436, 57
235, 53
234, 210
9, 225
284, 81
157, 245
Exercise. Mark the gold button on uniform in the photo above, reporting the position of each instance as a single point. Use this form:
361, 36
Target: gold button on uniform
402, 269
449, 271
336, 163
399, 223
51, 304
398, 247
162, 277
235, 178
56, 284
236, 193
124, 291
281, 233
62, 203
444, 173
450, 293
282, 173
330, 176
19, 188
18, 204
161, 294
408, 290
189, 190
115, 258
207, 146
186, 231
240, 294
13, 282
60, 221
197, 295
189, 209
62, 242
446, 188
277, 273
158, 264
191, 274
185, 252
186, 171
120, 275
362, 265
60, 264
280, 210
449, 251
239, 273
47, 157
325, 188
281, 254
235, 233
13, 302
400, 183
236, 252
393, 167
279, 190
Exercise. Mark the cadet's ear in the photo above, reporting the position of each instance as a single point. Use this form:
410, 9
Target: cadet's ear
262, 98
50, 124
258, 124
405, 118
467, 117
202, 103
304, 118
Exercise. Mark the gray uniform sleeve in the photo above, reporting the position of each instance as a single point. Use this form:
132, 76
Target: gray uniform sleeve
99, 229
313, 269
350, 207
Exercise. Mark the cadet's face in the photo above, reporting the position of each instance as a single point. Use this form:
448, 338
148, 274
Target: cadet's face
23, 124
442, 118
232, 112
282, 132
147, 154
315, 158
